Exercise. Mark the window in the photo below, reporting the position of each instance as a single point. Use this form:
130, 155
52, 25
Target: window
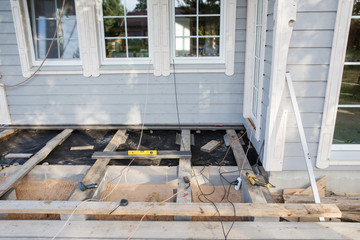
125, 29
197, 29
347, 128
254, 64
44, 17
126, 36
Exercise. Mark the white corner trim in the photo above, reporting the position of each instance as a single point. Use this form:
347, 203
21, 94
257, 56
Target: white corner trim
4, 107
230, 16
249, 57
284, 16
160, 19
339, 45
23, 42
88, 37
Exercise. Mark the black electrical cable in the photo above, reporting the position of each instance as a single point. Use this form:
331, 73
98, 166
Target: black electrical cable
177, 103
205, 196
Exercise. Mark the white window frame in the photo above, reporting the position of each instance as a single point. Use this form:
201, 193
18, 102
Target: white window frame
327, 150
185, 60
253, 12
225, 61
123, 61
26, 46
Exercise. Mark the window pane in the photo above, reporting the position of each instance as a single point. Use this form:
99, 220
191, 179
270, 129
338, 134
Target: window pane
185, 26
209, 7
353, 47
43, 46
258, 43
115, 48
185, 7
138, 48
136, 7
68, 28
347, 128
69, 48
185, 47
114, 27
350, 86
255, 102
113, 7
209, 26
137, 26
256, 72
44, 8
209, 47
356, 9
69, 9
45, 28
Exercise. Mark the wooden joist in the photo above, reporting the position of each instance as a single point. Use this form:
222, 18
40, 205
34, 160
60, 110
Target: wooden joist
5, 133
343, 203
97, 170
159, 155
12, 179
184, 170
171, 209
177, 230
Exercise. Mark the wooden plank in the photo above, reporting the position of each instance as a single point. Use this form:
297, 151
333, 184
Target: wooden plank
12, 179
321, 185
343, 203
184, 170
94, 175
210, 146
160, 155
80, 148
5, 133
18, 155
252, 194
26, 229
171, 209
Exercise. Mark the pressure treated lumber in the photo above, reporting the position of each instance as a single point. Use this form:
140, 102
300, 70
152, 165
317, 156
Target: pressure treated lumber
210, 146
184, 170
96, 172
171, 209
160, 155
5, 133
82, 148
343, 203
177, 230
12, 179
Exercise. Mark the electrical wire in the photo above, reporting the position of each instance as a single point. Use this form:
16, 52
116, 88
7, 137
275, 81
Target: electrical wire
47, 54
177, 102
181, 190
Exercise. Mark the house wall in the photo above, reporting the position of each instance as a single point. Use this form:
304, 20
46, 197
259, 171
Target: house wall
204, 98
308, 62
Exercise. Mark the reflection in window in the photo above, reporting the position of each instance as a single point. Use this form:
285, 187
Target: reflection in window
347, 127
197, 28
44, 16
125, 28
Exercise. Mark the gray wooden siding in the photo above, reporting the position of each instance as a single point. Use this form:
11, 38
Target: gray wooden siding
308, 63
204, 98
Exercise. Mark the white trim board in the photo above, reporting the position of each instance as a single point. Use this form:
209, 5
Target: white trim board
284, 16
4, 107
339, 45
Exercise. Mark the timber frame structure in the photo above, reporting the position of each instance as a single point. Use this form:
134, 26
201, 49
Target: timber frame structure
259, 206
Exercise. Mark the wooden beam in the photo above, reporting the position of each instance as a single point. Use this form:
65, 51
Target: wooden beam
184, 170
252, 194
177, 230
5, 133
343, 203
171, 209
12, 179
96, 172
81, 148
159, 155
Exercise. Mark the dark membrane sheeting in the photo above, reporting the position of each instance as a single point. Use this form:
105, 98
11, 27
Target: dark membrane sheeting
31, 141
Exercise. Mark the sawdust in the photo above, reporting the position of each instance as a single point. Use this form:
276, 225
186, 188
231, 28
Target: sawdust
42, 190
